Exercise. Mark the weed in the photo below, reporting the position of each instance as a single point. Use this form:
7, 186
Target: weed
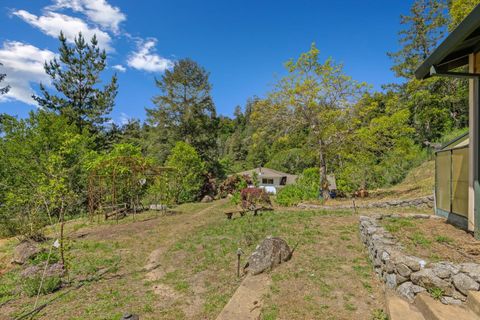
271, 313
436, 293
394, 225
444, 239
419, 238
349, 306
379, 314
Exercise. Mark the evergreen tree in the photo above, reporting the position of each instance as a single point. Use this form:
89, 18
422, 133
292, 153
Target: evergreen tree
424, 27
438, 104
184, 112
76, 78
3, 90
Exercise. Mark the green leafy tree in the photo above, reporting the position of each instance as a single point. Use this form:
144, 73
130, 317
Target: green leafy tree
184, 111
3, 90
314, 98
459, 9
381, 148
76, 79
189, 174
42, 174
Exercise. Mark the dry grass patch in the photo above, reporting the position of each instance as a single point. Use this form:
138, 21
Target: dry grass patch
433, 239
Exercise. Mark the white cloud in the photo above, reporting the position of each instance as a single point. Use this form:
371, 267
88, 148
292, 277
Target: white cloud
98, 11
23, 64
119, 67
146, 58
124, 118
51, 23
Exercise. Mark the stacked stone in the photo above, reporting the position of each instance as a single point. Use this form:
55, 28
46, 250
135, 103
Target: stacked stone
410, 275
424, 202
419, 202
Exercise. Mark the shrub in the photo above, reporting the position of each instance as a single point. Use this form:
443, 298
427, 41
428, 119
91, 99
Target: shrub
254, 198
289, 195
190, 172
50, 284
234, 183
306, 188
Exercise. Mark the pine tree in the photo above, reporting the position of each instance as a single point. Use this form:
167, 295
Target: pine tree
3, 90
184, 112
424, 27
76, 78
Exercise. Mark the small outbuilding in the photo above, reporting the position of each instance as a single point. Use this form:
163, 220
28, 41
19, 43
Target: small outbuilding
459, 199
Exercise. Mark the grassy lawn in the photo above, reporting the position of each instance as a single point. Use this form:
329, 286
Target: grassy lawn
433, 239
328, 277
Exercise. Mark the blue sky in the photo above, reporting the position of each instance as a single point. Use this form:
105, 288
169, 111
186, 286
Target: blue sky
243, 44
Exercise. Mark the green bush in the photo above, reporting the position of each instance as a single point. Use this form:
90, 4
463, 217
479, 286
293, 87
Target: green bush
306, 188
189, 174
50, 284
289, 195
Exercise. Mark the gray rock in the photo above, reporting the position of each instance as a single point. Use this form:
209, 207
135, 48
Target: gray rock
464, 283
401, 279
421, 216
444, 269
457, 295
408, 290
207, 199
389, 266
53, 270
129, 316
412, 262
450, 300
403, 270
472, 269
270, 253
427, 279
391, 280
24, 251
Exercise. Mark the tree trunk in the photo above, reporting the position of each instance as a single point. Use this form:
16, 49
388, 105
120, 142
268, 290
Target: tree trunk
323, 174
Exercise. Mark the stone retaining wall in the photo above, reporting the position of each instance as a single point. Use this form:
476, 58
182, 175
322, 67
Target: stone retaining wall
410, 275
425, 202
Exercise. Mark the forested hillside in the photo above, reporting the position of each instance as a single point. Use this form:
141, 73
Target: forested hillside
316, 116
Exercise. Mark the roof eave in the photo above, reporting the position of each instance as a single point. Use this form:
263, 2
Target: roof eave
447, 47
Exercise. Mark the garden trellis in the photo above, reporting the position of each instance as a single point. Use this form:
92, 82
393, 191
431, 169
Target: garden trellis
117, 185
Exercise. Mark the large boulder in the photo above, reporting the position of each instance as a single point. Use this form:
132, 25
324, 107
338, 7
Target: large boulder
270, 253
24, 251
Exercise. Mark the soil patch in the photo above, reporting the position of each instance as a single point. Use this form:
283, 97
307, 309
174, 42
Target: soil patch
433, 239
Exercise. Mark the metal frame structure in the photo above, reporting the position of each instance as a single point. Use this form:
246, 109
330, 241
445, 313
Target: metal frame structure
120, 187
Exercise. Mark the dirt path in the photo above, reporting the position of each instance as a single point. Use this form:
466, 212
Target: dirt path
154, 259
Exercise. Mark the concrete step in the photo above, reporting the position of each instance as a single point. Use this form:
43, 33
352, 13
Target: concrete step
435, 310
399, 309
473, 302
